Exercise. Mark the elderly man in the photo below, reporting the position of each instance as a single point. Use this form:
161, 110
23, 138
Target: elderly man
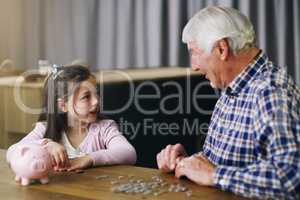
252, 146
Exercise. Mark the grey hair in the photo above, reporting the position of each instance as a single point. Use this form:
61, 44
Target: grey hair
214, 23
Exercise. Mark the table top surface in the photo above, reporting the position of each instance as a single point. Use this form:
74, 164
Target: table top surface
97, 183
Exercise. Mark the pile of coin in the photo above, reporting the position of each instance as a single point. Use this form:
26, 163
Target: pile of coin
156, 186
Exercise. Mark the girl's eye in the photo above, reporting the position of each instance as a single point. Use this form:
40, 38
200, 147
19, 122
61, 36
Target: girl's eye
85, 97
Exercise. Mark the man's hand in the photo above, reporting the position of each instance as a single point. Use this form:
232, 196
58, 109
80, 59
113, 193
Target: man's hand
168, 158
80, 163
196, 168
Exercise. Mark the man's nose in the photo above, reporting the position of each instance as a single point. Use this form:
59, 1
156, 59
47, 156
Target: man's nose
198, 69
195, 68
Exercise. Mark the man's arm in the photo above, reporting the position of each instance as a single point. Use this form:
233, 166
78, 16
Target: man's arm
276, 173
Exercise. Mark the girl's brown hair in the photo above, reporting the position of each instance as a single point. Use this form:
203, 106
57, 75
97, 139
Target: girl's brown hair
60, 85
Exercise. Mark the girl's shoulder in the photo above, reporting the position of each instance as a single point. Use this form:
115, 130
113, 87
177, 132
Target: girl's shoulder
40, 125
104, 125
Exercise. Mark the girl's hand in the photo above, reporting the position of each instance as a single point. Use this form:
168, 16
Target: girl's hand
59, 155
80, 163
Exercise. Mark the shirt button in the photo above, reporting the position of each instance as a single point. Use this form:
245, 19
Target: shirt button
223, 182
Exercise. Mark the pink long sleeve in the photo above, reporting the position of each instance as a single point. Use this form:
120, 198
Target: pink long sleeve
117, 149
35, 136
104, 143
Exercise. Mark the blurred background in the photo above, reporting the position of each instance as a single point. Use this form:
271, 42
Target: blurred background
137, 38
109, 34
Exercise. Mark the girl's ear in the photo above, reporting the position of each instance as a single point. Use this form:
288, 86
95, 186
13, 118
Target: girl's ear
61, 104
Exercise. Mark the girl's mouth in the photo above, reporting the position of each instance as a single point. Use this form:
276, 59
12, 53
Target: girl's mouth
94, 111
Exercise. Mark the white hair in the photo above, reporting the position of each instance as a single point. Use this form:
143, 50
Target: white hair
214, 23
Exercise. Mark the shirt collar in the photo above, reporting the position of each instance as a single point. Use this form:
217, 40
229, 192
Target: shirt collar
239, 82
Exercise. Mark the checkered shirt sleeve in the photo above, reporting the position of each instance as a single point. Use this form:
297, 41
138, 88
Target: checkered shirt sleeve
275, 173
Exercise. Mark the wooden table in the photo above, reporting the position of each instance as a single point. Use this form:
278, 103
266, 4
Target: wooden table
68, 186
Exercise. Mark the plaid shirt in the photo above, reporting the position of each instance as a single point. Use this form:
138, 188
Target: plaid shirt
254, 134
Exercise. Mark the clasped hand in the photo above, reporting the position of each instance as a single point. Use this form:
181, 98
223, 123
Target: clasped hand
196, 167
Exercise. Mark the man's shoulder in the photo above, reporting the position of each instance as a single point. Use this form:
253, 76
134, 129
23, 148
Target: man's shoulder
272, 77
273, 86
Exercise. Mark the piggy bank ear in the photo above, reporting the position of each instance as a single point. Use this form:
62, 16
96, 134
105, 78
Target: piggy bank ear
24, 150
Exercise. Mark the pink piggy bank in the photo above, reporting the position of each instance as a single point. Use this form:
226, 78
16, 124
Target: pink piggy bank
30, 162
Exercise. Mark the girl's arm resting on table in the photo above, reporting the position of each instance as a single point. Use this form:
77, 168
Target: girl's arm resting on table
119, 151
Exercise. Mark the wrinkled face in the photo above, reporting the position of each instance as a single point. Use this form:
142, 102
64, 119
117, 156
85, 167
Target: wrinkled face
83, 105
207, 64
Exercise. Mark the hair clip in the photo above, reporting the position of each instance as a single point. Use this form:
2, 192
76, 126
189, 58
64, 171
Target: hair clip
55, 71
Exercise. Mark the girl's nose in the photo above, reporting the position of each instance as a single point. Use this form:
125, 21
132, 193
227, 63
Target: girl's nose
95, 100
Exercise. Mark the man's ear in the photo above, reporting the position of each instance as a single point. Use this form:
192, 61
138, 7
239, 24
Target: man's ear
223, 49
61, 104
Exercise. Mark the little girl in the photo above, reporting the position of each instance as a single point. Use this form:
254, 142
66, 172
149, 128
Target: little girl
70, 128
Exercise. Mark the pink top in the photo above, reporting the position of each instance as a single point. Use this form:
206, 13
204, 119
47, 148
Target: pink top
104, 143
